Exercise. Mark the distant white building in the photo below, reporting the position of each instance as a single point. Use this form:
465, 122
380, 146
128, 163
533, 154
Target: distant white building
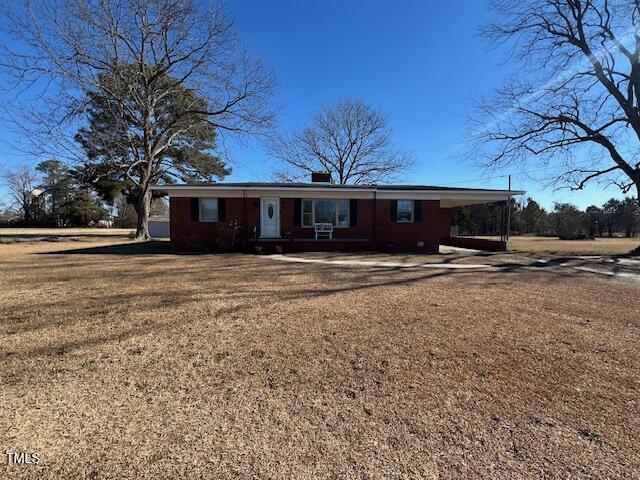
159, 226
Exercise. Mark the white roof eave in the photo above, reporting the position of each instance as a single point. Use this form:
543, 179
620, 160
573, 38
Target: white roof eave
381, 193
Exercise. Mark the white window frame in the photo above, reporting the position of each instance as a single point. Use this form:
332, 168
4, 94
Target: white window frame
200, 209
302, 224
411, 202
313, 211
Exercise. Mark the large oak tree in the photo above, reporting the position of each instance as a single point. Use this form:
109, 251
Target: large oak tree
574, 104
116, 160
133, 55
350, 139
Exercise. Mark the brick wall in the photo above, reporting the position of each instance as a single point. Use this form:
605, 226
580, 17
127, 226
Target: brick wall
361, 231
476, 243
188, 235
405, 236
445, 223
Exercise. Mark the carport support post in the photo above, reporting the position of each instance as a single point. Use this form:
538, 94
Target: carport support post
375, 203
503, 220
245, 232
508, 213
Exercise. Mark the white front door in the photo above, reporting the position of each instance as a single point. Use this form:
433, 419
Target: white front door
269, 217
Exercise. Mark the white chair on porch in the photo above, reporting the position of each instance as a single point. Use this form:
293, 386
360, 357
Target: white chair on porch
323, 229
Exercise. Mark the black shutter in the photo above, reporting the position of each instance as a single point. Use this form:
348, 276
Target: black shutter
195, 209
297, 212
394, 210
222, 211
417, 210
353, 212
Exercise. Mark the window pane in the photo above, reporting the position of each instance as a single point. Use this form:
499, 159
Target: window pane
405, 211
343, 213
209, 209
307, 213
325, 211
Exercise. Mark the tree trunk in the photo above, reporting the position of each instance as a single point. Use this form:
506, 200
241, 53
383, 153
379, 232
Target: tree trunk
142, 207
26, 207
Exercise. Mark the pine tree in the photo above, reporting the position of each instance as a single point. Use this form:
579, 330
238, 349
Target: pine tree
129, 147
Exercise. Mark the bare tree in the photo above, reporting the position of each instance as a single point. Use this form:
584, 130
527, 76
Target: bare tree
575, 105
158, 68
23, 193
351, 140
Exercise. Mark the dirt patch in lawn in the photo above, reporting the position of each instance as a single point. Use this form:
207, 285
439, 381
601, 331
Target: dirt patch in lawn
154, 365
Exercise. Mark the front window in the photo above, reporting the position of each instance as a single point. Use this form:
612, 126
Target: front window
324, 211
208, 209
343, 213
335, 212
405, 211
307, 213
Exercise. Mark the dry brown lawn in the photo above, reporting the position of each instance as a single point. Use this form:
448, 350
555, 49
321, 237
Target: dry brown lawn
121, 362
598, 246
62, 232
31, 235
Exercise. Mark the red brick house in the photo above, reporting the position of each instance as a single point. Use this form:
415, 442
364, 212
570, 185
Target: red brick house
286, 216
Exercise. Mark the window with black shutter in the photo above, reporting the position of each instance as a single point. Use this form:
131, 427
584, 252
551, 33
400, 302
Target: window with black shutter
402, 211
297, 212
353, 212
222, 211
195, 209
417, 210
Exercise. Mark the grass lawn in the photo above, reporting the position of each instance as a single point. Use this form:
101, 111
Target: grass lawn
125, 362
598, 246
64, 232
27, 235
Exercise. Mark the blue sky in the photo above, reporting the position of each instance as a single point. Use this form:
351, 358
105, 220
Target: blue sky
419, 61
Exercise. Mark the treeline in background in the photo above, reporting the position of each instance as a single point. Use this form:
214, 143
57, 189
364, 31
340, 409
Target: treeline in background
613, 218
52, 195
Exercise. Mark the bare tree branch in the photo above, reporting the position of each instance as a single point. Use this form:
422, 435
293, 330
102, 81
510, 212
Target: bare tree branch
583, 59
61, 52
23, 193
351, 140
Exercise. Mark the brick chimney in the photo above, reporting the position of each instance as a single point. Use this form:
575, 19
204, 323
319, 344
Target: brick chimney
320, 177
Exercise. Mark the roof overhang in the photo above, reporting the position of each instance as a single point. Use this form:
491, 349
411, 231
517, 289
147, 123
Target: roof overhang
447, 198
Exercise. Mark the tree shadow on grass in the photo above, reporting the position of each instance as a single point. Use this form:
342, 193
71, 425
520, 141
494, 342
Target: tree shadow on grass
232, 282
111, 336
152, 247
632, 254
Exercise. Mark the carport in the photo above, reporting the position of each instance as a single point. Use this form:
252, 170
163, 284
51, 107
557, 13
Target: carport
450, 232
